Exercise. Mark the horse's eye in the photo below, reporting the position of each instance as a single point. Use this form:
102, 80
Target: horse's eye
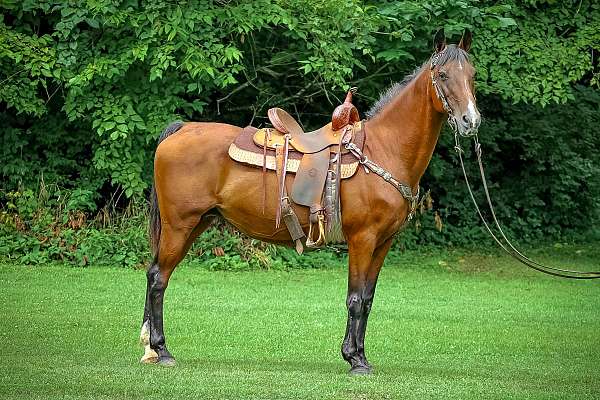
443, 75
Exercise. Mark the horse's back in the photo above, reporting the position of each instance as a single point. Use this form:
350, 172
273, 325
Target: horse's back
194, 146
212, 136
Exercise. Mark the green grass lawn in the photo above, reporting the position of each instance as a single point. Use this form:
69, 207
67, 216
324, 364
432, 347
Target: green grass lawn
442, 326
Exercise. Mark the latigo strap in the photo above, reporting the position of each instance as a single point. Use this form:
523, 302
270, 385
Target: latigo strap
284, 208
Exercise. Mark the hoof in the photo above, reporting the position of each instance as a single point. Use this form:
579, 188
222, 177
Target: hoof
166, 361
149, 359
150, 356
360, 370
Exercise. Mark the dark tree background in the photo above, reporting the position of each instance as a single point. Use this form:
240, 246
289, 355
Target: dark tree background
86, 88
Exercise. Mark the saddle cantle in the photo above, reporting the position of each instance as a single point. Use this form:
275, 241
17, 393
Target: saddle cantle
344, 114
319, 161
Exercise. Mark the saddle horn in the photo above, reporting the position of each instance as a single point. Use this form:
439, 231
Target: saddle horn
345, 113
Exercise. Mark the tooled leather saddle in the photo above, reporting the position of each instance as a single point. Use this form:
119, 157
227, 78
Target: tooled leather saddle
317, 158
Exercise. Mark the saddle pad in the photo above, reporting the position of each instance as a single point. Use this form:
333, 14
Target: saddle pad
244, 150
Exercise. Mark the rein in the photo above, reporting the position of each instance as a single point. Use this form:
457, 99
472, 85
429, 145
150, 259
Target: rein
507, 246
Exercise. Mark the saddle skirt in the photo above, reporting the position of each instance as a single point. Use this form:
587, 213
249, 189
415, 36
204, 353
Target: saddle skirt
248, 149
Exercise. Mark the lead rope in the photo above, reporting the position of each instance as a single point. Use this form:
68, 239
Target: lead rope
515, 253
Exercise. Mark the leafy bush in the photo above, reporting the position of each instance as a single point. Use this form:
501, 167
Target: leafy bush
48, 225
92, 84
39, 228
86, 87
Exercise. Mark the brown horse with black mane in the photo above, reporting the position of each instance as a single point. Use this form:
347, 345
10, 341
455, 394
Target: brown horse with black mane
196, 181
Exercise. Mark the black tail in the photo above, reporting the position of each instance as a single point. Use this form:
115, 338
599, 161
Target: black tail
155, 225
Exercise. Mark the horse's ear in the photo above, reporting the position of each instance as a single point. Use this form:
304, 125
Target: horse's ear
439, 41
465, 41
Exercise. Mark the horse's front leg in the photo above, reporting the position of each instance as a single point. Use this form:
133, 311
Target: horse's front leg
360, 254
369, 294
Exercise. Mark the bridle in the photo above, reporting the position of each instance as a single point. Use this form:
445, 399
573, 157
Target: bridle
507, 246
440, 93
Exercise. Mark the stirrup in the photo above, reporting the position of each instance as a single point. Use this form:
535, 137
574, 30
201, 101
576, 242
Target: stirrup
321, 239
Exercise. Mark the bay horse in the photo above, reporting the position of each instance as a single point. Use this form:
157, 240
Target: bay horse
195, 182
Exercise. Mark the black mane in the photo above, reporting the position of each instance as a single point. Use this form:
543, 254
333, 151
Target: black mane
450, 53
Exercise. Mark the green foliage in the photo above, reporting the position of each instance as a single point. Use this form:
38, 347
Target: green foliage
86, 87
37, 228
49, 225
537, 60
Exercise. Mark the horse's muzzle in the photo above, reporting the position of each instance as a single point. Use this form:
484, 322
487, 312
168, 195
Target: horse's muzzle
467, 133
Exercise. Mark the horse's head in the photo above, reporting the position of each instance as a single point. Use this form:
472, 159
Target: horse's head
452, 78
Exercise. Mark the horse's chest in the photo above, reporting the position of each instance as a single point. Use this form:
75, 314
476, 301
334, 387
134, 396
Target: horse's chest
375, 207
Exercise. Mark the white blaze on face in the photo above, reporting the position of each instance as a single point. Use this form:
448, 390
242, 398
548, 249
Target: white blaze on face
472, 112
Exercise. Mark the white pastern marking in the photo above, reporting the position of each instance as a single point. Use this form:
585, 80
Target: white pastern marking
145, 333
150, 355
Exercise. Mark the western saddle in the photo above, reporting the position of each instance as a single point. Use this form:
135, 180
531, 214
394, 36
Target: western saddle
318, 174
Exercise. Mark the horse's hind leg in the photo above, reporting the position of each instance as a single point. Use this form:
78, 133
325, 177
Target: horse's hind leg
150, 356
174, 244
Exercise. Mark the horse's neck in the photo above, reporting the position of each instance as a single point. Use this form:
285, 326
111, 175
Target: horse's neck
403, 135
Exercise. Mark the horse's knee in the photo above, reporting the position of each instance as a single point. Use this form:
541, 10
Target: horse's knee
354, 304
367, 296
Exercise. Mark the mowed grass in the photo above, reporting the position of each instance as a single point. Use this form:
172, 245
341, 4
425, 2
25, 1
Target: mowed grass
443, 326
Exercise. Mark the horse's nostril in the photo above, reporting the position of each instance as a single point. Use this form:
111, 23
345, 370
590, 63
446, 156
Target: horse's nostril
465, 119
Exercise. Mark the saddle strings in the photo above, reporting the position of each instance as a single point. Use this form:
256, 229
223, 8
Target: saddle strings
513, 252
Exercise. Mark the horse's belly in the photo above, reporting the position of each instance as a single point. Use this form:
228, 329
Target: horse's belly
250, 203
